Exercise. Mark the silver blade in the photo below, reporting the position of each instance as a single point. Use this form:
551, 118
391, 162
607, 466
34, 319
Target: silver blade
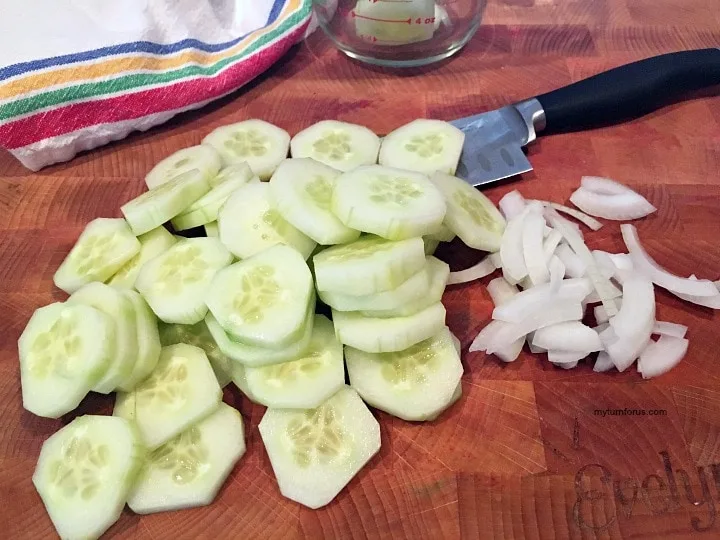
493, 146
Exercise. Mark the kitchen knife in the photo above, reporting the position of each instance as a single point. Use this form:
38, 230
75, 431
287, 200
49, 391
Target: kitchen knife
494, 139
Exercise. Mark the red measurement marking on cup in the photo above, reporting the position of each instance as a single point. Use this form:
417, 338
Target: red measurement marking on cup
404, 21
391, 1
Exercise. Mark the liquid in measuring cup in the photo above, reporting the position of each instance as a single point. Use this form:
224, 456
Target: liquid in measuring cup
395, 22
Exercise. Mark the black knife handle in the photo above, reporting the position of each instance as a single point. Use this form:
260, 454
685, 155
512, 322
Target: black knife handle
630, 91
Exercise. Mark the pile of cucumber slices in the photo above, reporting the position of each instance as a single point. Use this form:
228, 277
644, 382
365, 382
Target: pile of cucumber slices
166, 321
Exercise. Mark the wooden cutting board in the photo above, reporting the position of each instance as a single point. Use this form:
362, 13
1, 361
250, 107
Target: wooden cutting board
523, 454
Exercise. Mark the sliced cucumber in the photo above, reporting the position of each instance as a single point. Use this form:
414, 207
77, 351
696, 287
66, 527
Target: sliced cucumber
120, 309
148, 341
175, 283
438, 273
260, 144
301, 191
241, 171
423, 145
248, 225
314, 453
211, 230
85, 472
181, 391
392, 203
337, 144
443, 234
470, 215
369, 265
304, 382
457, 394
263, 300
189, 470
411, 290
260, 356
388, 335
412, 384
64, 350
202, 157
152, 244
103, 247
430, 244
237, 372
153, 208
206, 208
198, 335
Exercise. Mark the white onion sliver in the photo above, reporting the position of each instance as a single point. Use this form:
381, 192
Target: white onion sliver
622, 261
512, 204
613, 293
539, 298
535, 349
604, 262
603, 362
496, 260
604, 186
574, 266
532, 241
590, 221
634, 322
480, 270
557, 313
550, 244
601, 328
669, 329
557, 273
712, 302
601, 316
501, 291
661, 356
511, 249
570, 336
567, 365
577, 244
644, 264
486, 335
511, 352
629, 205
565, 357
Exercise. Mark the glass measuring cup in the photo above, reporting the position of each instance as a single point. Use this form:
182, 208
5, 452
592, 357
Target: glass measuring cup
399, 33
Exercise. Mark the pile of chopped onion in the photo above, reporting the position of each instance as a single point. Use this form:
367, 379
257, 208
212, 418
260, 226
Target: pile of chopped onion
561, 277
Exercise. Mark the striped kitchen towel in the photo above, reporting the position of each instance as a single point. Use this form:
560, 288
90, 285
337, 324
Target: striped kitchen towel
77, 74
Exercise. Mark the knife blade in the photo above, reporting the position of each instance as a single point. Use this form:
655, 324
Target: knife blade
494, 140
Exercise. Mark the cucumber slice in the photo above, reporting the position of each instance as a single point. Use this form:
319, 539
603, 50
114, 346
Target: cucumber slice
423, 145
237, 372
443, 234
411, 290
263, 300
120, 309
430, 245
438, 273
85, 472
103, 247
241, 171
153, 208
301, 191
148, 341
304, 382
470, 215
260, 356
457, 394
412, 384
152, 244
392, 203
64, 350
211, 230
314, 453
206, 208
260, 144
369, 265
248, 225
175, 283
198, 335
340, 145
181, 391
388, 335
202, 157
189, 470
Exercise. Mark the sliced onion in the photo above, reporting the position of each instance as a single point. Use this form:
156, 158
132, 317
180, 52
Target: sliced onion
534, 349
603, 363
557, 273
480, 270
496, 260
601, 315
540, 298
570, 336
512, 204
486, 336
601, 328
604, 263
661, 356
550, 244
669, 329
604, 186
511, 250
712, 302
556, 313
621, 207
622, 261
634, 322
612, 293
565, 357
501, 291
645, 265
590, 221
511, 352
574, 267
532, 242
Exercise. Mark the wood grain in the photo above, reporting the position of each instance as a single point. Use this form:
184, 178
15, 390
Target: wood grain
523, 454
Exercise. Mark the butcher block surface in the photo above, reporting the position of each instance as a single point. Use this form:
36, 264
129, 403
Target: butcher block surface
523, 454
